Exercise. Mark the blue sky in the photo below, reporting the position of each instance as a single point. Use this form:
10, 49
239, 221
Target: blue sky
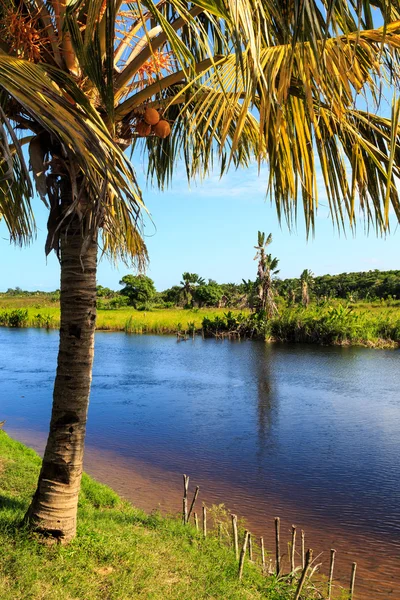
211, 229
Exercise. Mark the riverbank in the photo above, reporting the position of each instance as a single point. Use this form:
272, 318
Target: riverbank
119, 553
375, 325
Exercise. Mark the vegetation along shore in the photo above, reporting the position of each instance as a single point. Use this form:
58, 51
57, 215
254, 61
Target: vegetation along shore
122, 552
347, 309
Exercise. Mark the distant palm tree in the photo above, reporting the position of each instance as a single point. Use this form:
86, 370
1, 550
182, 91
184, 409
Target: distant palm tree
210, 80
290, 292
306, 280
189, 280
266, 271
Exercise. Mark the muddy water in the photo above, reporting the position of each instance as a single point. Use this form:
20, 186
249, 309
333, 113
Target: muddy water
309, 434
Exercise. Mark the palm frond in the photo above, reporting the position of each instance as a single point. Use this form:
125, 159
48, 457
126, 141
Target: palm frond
304, 119
273, 81
52, 100
15, 191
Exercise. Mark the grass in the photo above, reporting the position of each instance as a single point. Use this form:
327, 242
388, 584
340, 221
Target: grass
339, 325
374, 324
328, 324
160, 321
119, 552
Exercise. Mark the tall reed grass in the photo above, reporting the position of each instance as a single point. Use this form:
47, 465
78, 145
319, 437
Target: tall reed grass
335, 323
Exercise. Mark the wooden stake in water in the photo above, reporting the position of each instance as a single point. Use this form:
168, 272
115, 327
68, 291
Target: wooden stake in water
235, 536
304, 574
278, 547
243, 553
352, 580
262, 553
196, 493
332, 564
204, 521
196, 521
250, 548
293, 549
185, 493
303, 551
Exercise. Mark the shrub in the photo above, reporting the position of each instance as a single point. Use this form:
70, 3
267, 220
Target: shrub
40, 320
241, 325
14, 318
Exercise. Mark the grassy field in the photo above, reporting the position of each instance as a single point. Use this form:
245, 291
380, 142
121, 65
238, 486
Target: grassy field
121, 319
120, 553
369, 324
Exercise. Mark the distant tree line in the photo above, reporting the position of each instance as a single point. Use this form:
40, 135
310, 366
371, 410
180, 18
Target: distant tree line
363, 285
194, 291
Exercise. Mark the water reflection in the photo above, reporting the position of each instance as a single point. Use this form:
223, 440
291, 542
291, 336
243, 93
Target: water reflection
312, 432
262, 368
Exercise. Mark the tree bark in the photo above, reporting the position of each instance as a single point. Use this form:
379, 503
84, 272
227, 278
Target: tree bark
53, 509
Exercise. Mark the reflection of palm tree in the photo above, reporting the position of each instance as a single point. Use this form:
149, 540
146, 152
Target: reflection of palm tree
266, 396
267, 270
306, 279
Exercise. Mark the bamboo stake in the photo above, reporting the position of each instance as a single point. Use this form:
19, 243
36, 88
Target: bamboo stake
204, 521
352, 580
196, 521
293, 549
303, 551
250, 548
278, 549
262, 553
196, 493
235, 536
304, 574
333, 552
185, 493
243, 554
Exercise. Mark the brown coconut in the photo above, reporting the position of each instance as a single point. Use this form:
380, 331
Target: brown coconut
143, 129
151, 116
162, 129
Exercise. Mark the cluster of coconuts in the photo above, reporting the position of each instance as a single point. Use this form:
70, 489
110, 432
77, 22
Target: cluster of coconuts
152, 123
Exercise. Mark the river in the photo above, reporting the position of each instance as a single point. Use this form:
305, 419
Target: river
307, 433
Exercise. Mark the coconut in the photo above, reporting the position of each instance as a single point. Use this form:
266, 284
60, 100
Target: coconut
143, 129
151, 116
162, 129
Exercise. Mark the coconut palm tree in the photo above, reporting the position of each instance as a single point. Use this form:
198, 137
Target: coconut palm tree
189, 280
266, 271
306, 280
201, 83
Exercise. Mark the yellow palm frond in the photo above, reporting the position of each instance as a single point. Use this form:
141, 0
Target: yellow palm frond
273, 81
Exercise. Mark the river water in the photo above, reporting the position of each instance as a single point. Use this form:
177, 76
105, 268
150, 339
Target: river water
307, 433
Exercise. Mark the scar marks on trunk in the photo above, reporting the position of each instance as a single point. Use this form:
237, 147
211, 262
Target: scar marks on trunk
60, 471
75, 331
68, 418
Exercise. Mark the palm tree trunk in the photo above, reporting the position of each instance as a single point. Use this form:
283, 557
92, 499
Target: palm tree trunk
306, 298
54, 506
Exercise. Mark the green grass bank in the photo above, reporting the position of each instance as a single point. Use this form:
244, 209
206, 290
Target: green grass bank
158, 321
119, 553
375, 324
